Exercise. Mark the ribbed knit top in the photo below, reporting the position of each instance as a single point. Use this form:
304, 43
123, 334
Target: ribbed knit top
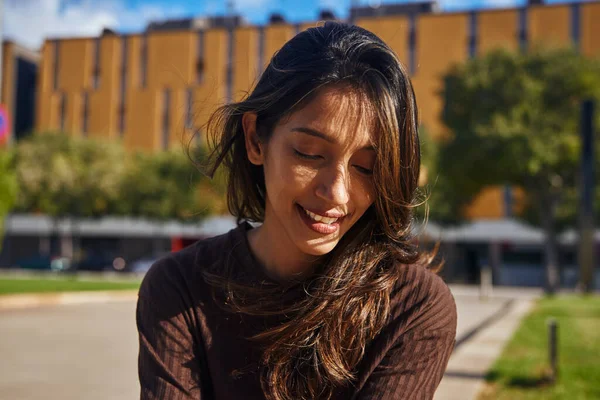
192, 348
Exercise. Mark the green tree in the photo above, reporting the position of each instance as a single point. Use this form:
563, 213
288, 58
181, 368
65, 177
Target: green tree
67, 177
8, 187
161, 186
62, 176
514, 119
437, 197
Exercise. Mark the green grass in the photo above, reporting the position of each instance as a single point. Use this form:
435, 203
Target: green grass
60, 284
522, 371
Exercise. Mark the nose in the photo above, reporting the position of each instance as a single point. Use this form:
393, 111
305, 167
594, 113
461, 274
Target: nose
333, 186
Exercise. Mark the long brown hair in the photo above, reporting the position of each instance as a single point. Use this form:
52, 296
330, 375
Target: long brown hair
324, 332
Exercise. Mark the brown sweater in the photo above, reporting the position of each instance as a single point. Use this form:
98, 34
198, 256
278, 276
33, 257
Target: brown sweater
189, 346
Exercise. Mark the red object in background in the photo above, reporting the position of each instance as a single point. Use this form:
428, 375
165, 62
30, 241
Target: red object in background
179, 243
4, 125
176, 244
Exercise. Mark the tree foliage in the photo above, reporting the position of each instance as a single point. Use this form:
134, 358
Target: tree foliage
515, 119
437, 198
8, 187
60, 176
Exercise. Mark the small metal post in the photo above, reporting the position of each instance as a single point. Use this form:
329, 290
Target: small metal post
485, 285
553, 348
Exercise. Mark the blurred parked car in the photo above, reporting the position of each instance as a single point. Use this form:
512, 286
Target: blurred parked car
142, 265
44, 262
97, 261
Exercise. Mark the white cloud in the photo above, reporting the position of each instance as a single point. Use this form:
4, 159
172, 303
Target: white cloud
470, 4
29, 22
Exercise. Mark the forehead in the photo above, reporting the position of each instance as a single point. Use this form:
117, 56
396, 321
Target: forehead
341, 113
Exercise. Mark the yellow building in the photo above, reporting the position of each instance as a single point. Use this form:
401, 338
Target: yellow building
153, 88
17, 97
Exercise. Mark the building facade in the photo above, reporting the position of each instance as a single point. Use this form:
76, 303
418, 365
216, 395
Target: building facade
18, 94
154, 89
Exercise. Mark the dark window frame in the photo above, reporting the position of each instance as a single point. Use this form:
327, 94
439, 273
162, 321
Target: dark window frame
523, 29
63, 110
144, 62
200, 57
412, 44
576, 25
189, 100
96, 68
166, 120
229, 63
261, 49
123, 88
56, 64
85, 110
473, 29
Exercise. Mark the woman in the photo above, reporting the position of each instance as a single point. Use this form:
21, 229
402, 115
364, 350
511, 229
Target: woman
329, 298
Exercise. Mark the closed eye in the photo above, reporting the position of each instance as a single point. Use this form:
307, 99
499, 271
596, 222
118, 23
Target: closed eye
364, 171
307, 156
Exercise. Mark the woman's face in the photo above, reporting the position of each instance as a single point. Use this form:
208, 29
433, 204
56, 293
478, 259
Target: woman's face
318, 168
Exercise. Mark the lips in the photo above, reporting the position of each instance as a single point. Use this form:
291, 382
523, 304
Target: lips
324, 224
320, 218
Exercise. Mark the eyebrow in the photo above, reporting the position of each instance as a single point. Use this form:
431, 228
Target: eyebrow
321, 135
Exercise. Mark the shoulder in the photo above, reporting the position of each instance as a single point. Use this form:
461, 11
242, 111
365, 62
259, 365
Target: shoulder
181, 272
423, 301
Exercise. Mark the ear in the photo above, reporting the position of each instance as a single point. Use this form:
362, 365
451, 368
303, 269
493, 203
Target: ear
254, 147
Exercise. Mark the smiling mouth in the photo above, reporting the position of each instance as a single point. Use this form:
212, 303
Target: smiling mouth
320, 218
320, 223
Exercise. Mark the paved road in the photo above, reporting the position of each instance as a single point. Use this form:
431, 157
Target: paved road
69, 352
89, 351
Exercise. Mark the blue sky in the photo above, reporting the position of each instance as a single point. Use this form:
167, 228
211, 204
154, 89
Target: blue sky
29, 22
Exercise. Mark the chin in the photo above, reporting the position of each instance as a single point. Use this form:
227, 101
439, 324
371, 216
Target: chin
319, 247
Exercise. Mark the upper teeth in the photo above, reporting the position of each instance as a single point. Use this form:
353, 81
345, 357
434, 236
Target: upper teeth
320, 218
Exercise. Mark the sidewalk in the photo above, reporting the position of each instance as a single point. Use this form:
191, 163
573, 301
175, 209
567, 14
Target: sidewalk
34, 300
485, 326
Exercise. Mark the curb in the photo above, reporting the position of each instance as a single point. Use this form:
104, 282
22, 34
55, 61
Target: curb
21, 301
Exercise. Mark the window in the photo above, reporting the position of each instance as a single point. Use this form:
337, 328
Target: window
123, 91
412, 45
575, 24
200, 58
472, 34
261, 49
56, 64
85, 113
165, 118
230, 50
523, 29
96, 71
189, 100
508, 201
63, 111
144, 61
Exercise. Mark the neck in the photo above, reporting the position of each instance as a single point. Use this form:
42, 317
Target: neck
280, 258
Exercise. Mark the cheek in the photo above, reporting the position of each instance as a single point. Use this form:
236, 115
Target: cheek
284, 176
363, 194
